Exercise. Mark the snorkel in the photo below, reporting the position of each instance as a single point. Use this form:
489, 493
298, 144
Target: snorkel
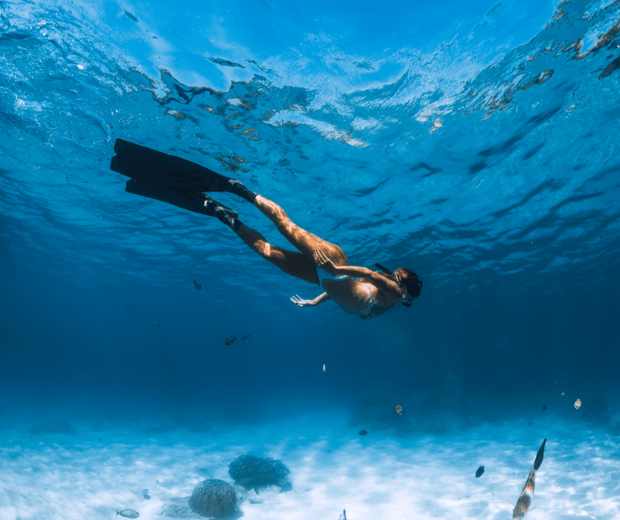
384, 269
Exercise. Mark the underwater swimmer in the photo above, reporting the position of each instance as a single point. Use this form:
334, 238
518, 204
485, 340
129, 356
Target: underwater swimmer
357, 290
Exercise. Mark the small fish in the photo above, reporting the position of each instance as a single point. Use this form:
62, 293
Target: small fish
577, 404
479, 471
530, 423
525, 498
544, 408
324, 369
563, 394
132, 17
145, 494
399, 409
197, 284
157, 324
128, 513
527, 495
231, 340
363, 432
244, 337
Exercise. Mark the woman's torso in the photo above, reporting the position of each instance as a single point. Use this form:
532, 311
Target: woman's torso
354, 297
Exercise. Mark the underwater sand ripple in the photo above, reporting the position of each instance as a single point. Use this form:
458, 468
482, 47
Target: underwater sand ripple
376, 477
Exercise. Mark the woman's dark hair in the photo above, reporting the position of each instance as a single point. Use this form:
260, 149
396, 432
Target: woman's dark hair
411, 281
406, 277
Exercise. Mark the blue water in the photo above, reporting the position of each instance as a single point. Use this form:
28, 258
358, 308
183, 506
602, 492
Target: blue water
476, 144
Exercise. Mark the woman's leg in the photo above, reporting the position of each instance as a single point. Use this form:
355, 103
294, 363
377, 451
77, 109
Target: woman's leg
303, 240
291, 262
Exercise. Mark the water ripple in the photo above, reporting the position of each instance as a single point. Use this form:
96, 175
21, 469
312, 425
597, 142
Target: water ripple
461, 169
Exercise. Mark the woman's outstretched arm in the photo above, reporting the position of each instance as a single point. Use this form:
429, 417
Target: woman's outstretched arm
310, 303
381, 282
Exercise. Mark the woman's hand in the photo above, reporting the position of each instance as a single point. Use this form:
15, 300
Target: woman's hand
301, 302
324, 263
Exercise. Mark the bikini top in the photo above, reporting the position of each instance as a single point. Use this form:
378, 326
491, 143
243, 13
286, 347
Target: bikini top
372, 310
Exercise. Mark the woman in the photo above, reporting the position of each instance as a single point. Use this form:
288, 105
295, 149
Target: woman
357, 290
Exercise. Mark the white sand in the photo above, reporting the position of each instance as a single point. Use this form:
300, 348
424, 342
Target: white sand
73, 476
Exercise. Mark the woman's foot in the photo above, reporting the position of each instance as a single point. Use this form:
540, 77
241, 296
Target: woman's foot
222, 213
238, 188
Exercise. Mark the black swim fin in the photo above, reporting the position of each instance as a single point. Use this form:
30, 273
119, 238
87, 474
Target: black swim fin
195, 201
189, 200
153, 168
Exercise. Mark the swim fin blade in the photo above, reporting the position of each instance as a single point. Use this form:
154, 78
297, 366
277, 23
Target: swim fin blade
153, 168
189, 200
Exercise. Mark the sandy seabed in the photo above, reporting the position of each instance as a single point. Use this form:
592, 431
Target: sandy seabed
50, 471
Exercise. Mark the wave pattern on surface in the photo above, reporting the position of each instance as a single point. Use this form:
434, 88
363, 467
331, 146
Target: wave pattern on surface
496, 173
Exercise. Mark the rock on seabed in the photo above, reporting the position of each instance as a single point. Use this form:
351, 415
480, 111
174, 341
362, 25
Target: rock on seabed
214, 498
259, 472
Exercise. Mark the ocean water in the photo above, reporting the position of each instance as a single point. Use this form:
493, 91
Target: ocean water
474, 143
